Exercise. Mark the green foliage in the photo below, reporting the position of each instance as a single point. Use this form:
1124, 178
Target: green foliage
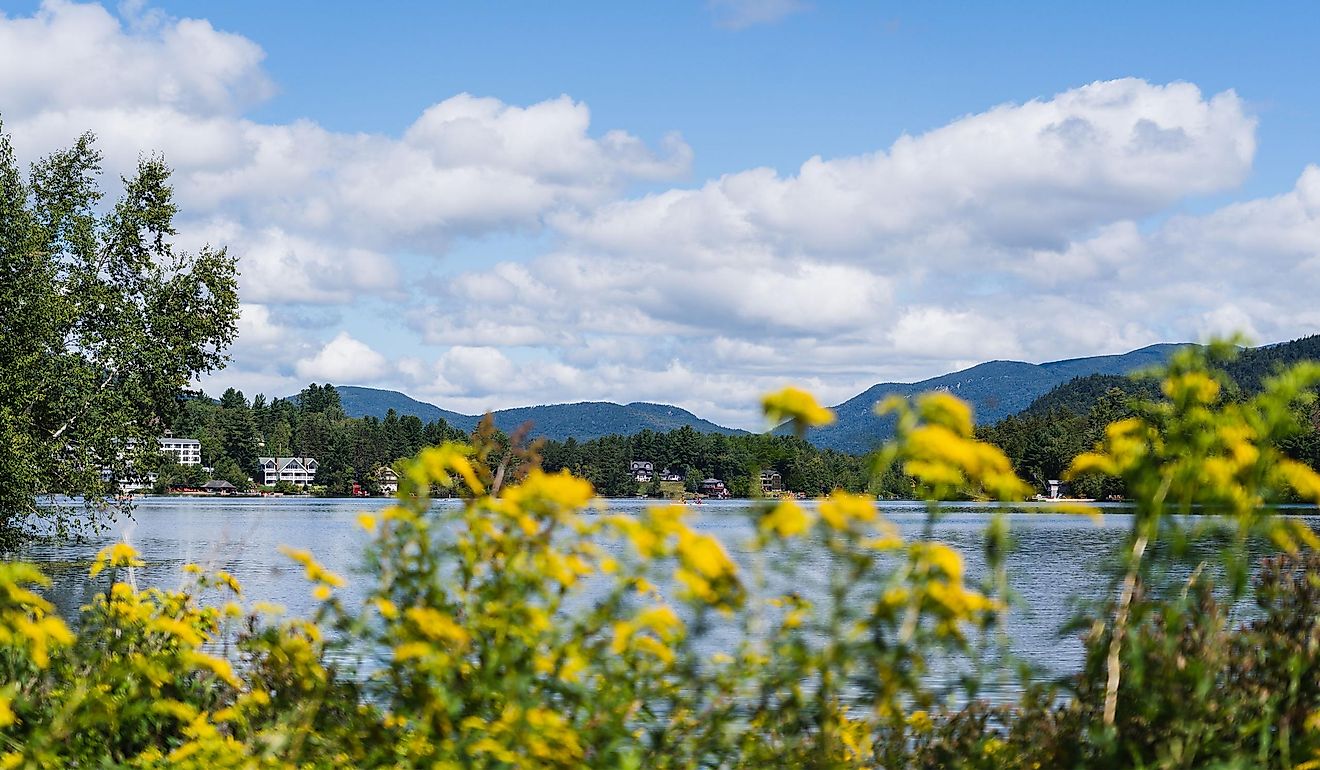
234, 433
527, 629
694, 456
103, 323
1043, 439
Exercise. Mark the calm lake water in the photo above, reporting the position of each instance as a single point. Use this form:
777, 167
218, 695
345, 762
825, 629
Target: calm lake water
1056, 557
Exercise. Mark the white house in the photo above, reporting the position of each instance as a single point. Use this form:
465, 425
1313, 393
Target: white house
388, 480
300, 471
184, 451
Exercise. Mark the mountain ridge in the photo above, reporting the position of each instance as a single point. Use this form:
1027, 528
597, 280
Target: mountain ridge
581, 420
995, 389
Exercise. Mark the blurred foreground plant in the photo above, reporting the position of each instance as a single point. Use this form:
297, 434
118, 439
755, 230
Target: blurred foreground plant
528, 629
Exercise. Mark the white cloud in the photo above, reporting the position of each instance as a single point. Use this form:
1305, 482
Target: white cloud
1033, 174
475, 371
1038, 230
70, 55
345, 361
310, 212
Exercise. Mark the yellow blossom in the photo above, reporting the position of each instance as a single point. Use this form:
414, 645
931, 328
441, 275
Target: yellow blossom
786, 519
117, 555
840, 509
797, 405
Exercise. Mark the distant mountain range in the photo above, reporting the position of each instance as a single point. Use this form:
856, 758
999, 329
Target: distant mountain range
995, 389
583, 421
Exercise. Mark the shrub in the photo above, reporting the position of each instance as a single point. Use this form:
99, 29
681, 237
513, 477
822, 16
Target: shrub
527, 629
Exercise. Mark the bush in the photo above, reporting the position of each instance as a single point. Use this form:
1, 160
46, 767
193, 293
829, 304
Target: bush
523, 630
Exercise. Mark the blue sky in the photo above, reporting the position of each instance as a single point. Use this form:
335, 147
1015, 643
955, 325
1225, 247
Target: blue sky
661, 265
833, 79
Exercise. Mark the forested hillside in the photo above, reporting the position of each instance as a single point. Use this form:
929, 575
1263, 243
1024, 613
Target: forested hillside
1042, 440
583, 420
995, 389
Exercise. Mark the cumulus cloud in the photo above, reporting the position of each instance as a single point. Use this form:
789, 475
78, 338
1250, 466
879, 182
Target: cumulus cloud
344, 360
1034, 230
311, 213
1031, 174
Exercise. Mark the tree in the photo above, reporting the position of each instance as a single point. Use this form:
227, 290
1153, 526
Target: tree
230, 471
103, 325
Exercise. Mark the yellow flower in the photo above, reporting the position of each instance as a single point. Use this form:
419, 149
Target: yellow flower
786, 519
944, 409
705, 554
561, 490
920, 722
1197, 387
797, 405
314, 571
840, 509
437, 625
367, 522
218, 666
117, 555
386, 608
440, 464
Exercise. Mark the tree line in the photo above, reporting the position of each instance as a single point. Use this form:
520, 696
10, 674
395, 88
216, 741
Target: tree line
1042, 441
234, 432
736, 460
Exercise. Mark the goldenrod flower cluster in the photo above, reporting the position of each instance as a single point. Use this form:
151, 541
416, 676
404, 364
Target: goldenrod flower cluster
529, 628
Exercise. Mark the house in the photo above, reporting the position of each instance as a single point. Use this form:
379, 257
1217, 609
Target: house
714, 488
388, 480
642, 471
300, 471
771, 483
219, 487
668, 475
184, 451
1055, 489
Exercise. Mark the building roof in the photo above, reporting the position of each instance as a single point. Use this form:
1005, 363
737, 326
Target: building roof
172, 440
219, 484
284, 462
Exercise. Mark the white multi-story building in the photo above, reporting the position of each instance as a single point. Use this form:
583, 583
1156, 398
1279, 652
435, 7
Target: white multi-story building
388, 479
295, 470
184, 451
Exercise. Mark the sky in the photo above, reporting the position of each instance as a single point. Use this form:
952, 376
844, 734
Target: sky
487, 205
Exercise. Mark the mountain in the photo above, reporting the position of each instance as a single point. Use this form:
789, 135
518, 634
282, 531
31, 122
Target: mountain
995, 390
593, 419
583, 421
373, 402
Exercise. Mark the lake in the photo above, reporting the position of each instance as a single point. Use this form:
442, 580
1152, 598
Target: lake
1056, 557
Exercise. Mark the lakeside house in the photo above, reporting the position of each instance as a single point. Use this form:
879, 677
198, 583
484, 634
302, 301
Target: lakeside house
388, 480
642, 471
714, 488
771, 483
670, 476
300, 471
